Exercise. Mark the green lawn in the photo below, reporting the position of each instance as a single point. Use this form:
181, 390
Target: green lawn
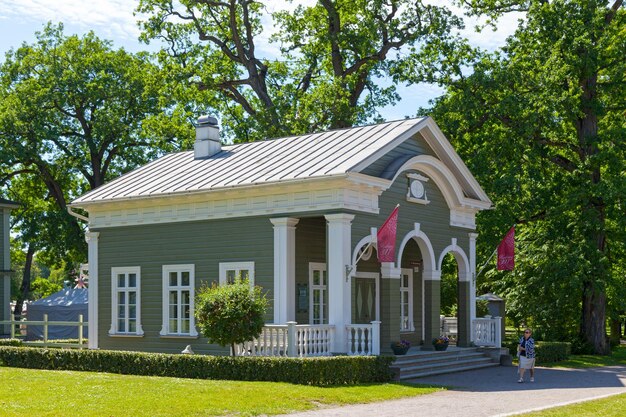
614, 406
30, 392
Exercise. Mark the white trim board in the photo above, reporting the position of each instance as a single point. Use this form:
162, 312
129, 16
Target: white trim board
437, 141
345, 193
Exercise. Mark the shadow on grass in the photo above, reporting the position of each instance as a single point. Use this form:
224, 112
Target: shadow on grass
616, 358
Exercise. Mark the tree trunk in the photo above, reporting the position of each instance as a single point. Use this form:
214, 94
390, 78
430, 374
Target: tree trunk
594, 318
616, 330
25, 287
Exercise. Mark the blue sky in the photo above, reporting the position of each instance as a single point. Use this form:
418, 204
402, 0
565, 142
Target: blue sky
114, 20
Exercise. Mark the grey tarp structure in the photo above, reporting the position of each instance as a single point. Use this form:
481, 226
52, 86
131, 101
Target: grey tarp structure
64, 305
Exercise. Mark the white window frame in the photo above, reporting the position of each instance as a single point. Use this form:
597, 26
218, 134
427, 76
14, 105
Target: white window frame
410, 325
165, 328
317, 266
237, 267
115, 271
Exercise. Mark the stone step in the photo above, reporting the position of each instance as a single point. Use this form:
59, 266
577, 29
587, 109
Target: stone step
435, 357
419, 366
434, 361
423, 363
440, 371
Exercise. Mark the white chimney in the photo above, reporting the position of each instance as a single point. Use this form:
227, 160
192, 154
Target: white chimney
207, 138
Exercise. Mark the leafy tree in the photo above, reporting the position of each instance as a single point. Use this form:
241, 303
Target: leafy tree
333, 56
231, 314
542, 124
72, 112
42, 287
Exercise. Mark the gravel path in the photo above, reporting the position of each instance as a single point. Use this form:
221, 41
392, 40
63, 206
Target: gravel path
494, 392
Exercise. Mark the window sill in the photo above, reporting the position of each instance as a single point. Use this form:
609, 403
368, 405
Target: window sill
178, 336
124, 335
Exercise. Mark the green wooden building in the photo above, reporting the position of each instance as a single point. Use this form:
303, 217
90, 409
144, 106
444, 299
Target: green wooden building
5, 261
294, 215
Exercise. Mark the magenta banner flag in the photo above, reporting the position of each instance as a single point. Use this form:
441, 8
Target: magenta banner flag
506, 251
386, 238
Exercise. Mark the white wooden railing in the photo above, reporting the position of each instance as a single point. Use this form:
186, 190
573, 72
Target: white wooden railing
304, 340
46, 323
272, 342
487, 331
363, 339
290, 339
314, 340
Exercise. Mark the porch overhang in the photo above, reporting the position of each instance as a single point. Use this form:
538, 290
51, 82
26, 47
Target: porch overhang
352, 192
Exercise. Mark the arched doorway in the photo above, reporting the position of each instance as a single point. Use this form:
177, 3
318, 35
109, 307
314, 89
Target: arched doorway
449, 307
412, 293
416, 261
463, 289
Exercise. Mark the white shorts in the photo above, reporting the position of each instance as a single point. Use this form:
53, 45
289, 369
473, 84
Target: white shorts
526, 363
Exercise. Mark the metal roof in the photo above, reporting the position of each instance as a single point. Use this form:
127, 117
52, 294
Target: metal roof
291, 158
8, 203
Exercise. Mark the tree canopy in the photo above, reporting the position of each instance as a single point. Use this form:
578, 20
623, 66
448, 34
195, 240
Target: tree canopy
72, 115
333, 58
542, 124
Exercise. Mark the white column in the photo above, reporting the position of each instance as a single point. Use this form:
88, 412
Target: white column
284, 269
92, 253
6, 278
472, 261
338, 256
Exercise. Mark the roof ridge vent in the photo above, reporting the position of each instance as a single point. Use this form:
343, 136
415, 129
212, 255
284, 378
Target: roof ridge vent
207, 138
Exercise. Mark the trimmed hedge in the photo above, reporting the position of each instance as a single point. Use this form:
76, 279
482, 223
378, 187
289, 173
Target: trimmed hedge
10, 342
310, 371
545, 352
552, 351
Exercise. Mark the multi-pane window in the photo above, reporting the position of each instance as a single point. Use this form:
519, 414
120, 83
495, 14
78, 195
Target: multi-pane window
231, 270
318, 282
125, 301
406, 300
178, 300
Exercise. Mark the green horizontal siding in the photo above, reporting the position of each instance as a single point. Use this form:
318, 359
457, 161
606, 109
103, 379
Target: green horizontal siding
434, 220
310, 247
204, 244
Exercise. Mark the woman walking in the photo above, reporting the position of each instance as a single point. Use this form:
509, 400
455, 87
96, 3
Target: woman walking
526, 350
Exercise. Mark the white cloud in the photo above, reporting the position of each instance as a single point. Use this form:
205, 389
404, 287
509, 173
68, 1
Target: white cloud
108, 18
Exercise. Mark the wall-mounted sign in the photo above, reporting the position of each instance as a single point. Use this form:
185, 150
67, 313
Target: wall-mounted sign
302, 291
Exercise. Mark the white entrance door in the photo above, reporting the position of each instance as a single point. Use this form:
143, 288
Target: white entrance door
367, 306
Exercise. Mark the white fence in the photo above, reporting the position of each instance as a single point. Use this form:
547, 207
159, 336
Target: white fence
303, 340
487, 331
290, 339
45, 323
363, 339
